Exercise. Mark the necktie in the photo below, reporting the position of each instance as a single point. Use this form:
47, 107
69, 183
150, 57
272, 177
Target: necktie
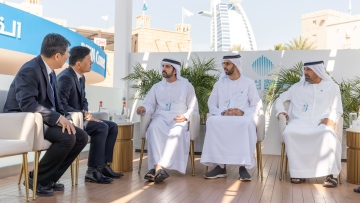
81, 81
52, 83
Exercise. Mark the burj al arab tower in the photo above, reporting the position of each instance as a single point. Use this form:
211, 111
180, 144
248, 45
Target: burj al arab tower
229, 26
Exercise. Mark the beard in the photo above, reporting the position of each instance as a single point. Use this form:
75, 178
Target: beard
229, 71
166, 75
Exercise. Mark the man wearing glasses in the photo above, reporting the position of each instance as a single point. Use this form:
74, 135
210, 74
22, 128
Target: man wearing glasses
231, 131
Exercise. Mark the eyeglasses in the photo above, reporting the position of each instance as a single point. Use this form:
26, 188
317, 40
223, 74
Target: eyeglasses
226, 63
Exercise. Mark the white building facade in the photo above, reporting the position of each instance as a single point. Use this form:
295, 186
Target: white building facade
330, 29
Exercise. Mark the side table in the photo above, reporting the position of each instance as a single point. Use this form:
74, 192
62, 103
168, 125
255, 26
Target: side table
353, 155
123, 149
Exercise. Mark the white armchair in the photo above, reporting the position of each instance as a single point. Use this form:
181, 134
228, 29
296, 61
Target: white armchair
41, 144
282, 125
194, 128
38, 142
78, 120
17, 136
260, 133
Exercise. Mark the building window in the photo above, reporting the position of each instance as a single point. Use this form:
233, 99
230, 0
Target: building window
314, 22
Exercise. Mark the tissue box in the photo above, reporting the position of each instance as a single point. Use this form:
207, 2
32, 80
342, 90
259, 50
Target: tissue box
120, 119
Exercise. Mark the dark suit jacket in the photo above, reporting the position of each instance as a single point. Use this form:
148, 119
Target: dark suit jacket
30, 91
72, 94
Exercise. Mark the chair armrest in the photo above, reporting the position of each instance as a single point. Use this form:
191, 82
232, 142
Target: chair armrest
77, 118
260, 127
339, 128
18, 126
100, 115
282, 125
39, 142
144, 124
194, 126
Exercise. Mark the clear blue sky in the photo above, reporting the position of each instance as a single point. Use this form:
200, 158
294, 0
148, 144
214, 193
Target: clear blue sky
273, 22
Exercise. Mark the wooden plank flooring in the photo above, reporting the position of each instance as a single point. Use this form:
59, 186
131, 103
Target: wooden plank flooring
186, 188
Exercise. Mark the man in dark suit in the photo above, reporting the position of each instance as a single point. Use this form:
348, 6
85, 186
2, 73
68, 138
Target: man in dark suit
103, 133
34, 89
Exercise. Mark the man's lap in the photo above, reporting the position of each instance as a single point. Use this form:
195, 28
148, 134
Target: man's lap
54, 134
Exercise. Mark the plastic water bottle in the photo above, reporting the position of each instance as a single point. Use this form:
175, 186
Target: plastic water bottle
100, 105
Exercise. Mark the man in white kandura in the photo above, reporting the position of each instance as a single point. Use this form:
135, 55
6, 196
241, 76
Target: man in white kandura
312, 146
231, 131
170, 102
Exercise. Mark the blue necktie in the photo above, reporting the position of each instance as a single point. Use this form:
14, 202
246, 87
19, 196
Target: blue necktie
52, 83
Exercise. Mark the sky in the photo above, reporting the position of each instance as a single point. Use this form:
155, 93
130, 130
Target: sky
273, 21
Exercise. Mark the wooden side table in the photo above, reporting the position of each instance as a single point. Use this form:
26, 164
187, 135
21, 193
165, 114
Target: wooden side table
353, 155
123, 149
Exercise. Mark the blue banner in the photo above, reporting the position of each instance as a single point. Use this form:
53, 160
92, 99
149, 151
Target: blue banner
23, 32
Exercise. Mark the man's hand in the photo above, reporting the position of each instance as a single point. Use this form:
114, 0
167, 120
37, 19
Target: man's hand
233, 112
180, 118
285, 114
328, 122
66, 124
87, 116
140, 110
95, 120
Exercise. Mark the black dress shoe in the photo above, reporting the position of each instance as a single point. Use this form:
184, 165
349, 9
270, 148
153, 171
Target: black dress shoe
41, 190
95, 176
107, 171
57, 186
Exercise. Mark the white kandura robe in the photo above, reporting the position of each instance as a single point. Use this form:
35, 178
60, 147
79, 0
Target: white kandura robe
168, 141
313, 150
232, 139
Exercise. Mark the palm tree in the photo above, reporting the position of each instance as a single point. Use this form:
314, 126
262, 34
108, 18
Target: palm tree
279, 47
237, 47
350, 96
142, 80
300, 44
202, 74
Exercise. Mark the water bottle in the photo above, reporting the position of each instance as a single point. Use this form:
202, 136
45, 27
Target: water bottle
100, 105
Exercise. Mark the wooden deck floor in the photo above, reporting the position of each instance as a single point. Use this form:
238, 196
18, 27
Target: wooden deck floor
186, 188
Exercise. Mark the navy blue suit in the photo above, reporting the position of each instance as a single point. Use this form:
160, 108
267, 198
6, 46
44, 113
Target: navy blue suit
30, 91
103, 134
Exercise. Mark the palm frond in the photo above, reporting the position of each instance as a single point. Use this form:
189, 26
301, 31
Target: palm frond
283, 80
141, 81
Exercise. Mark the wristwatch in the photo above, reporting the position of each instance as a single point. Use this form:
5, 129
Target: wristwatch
222, 113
